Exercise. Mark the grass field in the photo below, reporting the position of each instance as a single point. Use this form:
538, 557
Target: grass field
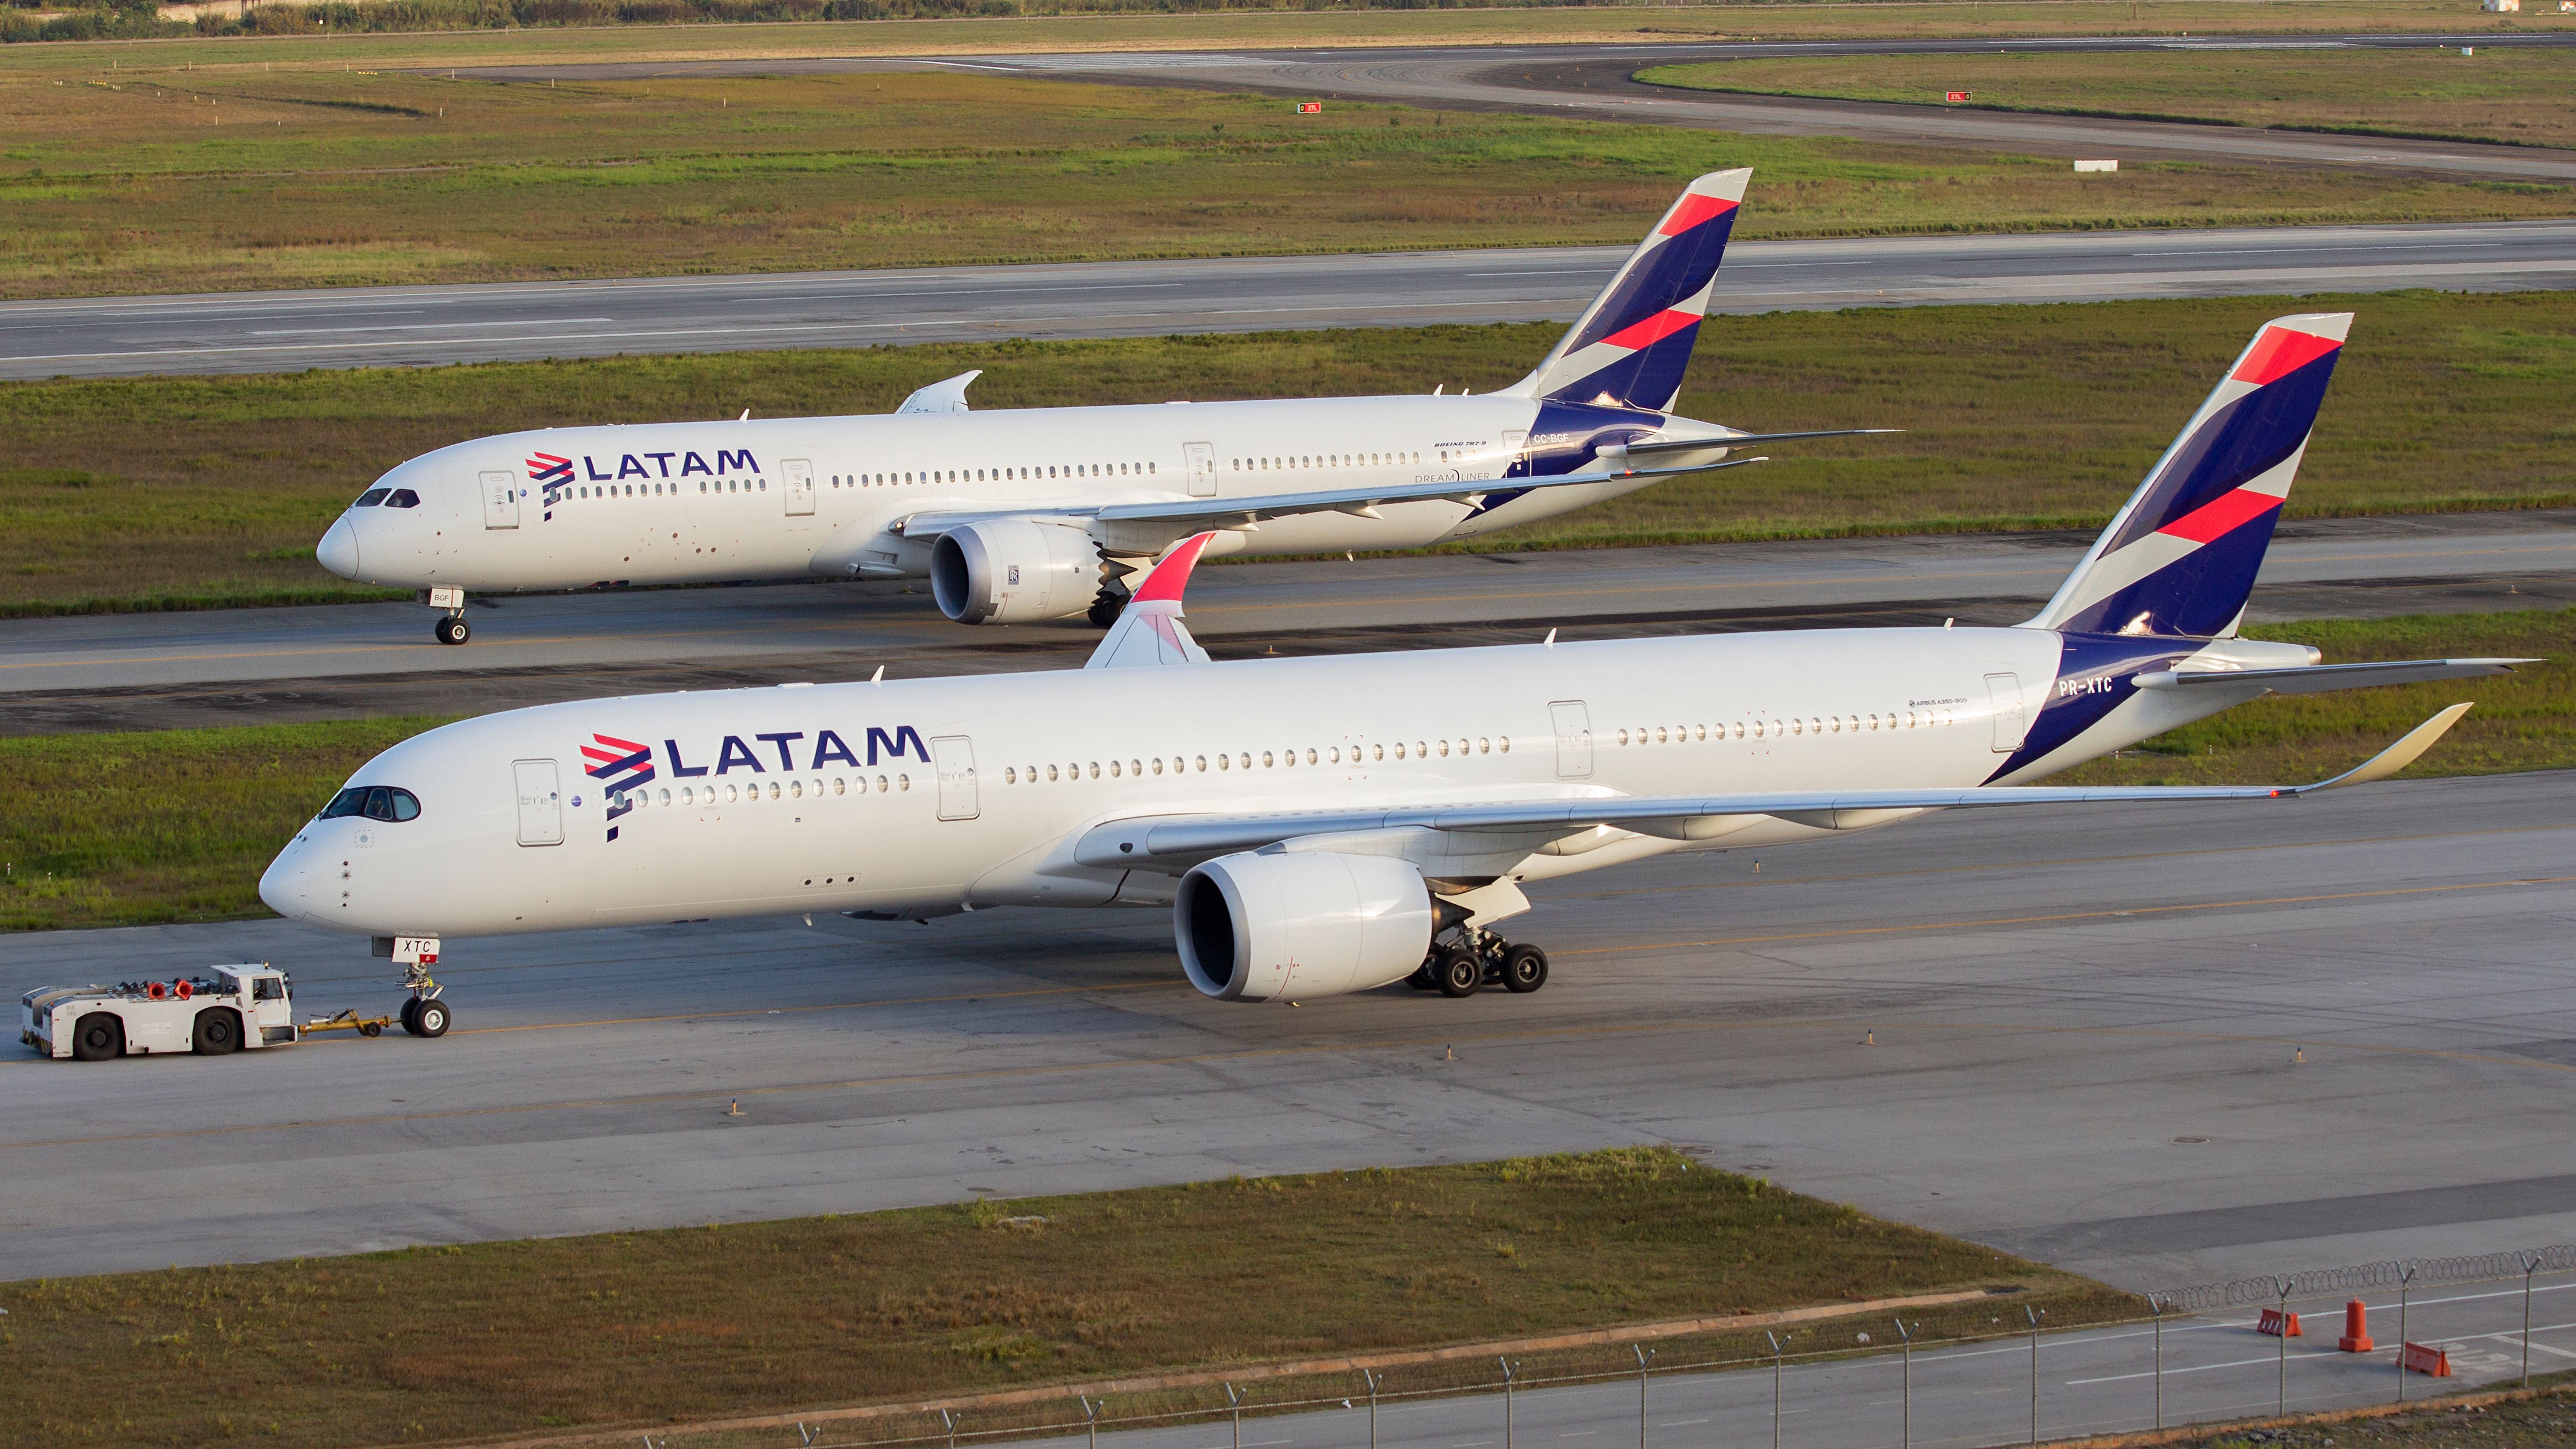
2523, 96
157, 179
654, 1328
198, 490
1303, 26
134, 829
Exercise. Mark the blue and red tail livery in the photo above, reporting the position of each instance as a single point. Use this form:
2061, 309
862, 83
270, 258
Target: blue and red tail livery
1630, 348
2181, 557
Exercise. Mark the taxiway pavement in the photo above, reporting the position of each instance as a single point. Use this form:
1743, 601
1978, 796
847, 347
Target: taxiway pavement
1593, 81
143, 671
2086, 1028
423, 326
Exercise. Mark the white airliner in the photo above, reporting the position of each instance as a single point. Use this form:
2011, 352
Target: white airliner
1330, 825
1043, 513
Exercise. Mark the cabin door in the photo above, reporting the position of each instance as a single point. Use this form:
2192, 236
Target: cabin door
540, 802
953, 758
799, 473
1201, 458
500, 500
2010, 723
1573, 739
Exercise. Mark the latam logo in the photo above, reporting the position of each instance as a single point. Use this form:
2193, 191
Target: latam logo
619, 766
624, 765
555, 472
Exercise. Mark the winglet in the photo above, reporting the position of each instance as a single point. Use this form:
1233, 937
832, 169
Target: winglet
1149, 630
1172, 576
2396, 757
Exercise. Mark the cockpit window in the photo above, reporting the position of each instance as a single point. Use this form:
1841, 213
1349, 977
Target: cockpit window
402, 498
375, 802
371, 498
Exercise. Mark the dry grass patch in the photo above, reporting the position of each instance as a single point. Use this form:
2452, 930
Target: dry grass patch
159, 178
2523, 96
654, 1328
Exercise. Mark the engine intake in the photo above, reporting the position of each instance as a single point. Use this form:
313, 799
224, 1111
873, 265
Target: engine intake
1013, 571
1294, 926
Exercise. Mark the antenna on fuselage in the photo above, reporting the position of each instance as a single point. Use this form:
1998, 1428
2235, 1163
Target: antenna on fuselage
878, 677
746, 416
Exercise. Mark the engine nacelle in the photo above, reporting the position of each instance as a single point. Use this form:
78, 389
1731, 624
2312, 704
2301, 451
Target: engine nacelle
1013, 571
1298, 925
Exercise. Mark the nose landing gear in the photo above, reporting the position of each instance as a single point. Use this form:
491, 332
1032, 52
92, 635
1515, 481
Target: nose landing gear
1478, 959
451, 627
423, 1014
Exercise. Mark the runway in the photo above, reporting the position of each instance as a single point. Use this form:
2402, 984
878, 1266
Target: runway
425, 326
2084, 1032
1592, 81
150, 671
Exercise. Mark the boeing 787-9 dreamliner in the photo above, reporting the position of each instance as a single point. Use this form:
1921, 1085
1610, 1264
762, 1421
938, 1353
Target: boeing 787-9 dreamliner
1336, 824
1044, 513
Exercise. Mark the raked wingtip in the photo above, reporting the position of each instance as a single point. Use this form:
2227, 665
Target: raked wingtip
2398, 756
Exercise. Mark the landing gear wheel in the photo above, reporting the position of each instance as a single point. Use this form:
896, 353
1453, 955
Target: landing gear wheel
431, 1020
1524, 968
1105, 611
410, 1015
97, 1038
452, 630
1458, 971
218, 1032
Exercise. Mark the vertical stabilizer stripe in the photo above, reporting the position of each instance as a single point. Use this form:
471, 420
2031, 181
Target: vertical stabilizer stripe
1693, 209
2280, 351
2221, 516
1653, 330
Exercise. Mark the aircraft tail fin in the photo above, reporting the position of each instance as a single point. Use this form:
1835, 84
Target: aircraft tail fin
2181, 556
1630, 346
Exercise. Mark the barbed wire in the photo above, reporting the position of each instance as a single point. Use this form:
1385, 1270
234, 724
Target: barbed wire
2475, 1268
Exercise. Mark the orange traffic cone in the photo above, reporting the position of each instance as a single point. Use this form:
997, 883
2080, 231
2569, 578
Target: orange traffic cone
2356, 1328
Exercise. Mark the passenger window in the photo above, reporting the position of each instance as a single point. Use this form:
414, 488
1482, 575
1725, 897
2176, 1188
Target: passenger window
371, 498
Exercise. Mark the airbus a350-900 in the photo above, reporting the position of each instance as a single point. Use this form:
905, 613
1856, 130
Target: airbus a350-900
1327, 825
1045, 513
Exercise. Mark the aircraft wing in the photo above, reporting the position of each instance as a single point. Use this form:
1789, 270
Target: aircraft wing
1195, 514
1179, 841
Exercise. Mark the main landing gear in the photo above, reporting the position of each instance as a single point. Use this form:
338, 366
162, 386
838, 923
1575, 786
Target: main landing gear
1478, 959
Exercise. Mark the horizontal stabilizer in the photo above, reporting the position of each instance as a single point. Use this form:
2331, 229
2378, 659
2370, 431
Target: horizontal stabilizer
2319, 678
941, 397
1179, 841
1746, 440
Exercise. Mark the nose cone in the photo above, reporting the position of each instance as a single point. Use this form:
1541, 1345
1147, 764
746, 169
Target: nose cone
290, 887
338, 550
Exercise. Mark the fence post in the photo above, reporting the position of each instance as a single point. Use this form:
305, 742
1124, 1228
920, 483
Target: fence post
1905, 1390
1508, 1406
1775, 1388
1234, 1401
1646, 1356
2034, 1372
2405, 1281
2281, 1352
1090, 1419
2156, 1303
2530, 1265
1371, 1380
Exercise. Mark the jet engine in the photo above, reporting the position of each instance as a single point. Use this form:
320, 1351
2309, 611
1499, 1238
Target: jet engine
1293, 926
1013, 571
